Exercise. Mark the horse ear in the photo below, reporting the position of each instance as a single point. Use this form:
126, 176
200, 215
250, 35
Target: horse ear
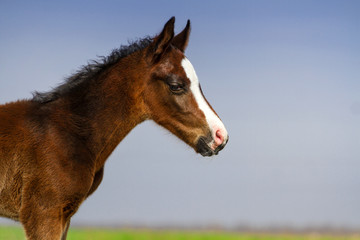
162, 41
181, 40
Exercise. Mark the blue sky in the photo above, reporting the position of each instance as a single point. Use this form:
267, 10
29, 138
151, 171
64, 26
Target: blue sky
283, 76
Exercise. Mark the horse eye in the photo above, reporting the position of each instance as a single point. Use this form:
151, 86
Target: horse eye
176, 88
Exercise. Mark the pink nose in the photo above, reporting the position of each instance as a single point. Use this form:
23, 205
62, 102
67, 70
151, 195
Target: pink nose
219, 137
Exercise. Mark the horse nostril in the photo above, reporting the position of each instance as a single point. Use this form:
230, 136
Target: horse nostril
219, 138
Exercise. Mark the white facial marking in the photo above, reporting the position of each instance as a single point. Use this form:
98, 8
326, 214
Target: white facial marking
212, 119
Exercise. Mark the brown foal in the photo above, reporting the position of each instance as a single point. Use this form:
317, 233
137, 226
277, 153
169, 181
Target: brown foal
53, 147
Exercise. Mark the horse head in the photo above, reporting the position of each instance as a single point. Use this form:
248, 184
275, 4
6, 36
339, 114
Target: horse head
173, 95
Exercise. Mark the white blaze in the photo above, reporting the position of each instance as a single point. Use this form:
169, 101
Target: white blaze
212, 119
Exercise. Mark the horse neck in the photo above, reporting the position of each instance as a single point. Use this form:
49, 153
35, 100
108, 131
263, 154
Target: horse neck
116, 106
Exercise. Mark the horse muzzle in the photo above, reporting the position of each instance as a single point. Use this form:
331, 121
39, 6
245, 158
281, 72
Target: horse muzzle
205, 146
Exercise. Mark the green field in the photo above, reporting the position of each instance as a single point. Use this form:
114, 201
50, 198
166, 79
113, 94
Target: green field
16, 233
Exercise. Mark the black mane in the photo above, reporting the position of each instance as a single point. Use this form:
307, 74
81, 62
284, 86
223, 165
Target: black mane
90, 70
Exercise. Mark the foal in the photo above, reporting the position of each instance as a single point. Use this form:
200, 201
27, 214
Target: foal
54, 146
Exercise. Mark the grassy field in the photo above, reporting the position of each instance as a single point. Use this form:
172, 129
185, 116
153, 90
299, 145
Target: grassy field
16, 233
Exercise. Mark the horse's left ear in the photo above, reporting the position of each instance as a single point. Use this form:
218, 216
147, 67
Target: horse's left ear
162, 41
181, 40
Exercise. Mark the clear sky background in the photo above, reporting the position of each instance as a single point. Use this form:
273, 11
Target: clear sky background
284, 76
